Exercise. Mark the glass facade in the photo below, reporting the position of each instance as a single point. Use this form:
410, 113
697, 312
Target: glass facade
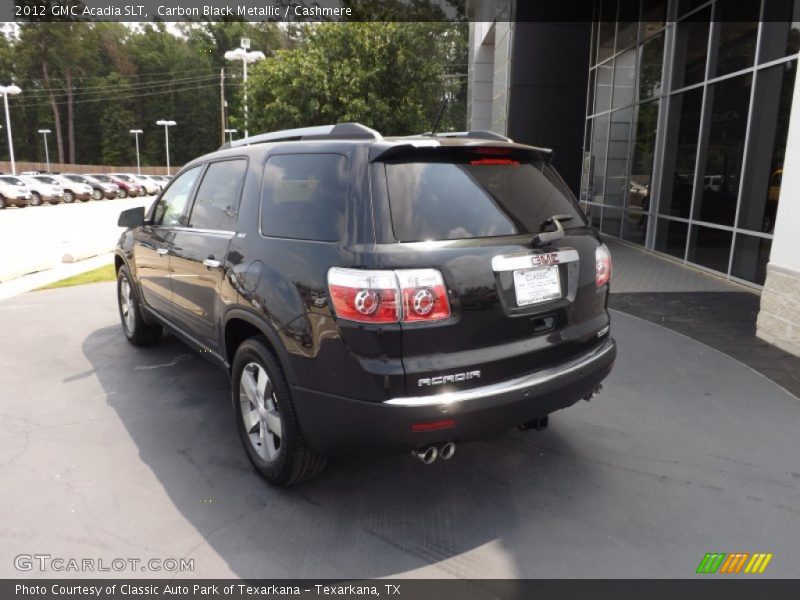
687, 119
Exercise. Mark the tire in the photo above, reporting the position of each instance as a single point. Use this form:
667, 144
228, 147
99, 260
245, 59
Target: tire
132, 194
134, 327
69, 197
97, 194
120, 193
142, 192
2, 202
281, 458
36, 199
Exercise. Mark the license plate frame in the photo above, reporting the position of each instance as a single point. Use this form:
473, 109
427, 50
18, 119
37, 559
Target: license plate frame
537, 285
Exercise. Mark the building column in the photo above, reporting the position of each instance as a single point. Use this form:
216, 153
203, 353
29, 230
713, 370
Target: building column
779, 317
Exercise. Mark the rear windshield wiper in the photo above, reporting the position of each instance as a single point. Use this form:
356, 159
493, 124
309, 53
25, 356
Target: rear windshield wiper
548, 237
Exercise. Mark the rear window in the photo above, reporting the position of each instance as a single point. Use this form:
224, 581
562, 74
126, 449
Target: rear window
487, 197
304, 196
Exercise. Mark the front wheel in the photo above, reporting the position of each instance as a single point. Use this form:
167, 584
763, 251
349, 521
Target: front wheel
36, 199
134, 327
2, 203
97, 194
120, 193
265, 417
69, 197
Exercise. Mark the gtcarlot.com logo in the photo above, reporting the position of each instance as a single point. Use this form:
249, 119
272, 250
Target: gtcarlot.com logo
737, 562
47, 562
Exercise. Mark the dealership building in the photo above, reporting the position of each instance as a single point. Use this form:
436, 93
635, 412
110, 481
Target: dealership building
677, 127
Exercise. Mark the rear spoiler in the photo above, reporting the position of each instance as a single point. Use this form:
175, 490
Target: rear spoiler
433, 150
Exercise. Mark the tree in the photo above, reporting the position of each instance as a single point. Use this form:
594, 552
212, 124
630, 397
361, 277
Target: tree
390, 76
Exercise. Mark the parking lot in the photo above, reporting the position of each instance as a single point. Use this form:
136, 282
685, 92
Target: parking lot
35, 238
113, 451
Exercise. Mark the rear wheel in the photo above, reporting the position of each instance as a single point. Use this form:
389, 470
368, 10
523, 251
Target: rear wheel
69, 197
2, 202
132, 194
142, 192
97, 194
36, 199
265, 417
120, 193
134, 327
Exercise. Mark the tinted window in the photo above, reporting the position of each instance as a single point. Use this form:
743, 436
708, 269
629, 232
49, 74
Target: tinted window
172, 202
48, 180
446, 201
303, 196
217, 201
13, 180
77, 178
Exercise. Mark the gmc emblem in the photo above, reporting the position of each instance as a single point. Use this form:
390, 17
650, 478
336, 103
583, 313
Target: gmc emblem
454, 378
543, 260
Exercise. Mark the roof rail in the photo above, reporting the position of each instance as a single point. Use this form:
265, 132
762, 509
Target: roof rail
477, 133
340, 131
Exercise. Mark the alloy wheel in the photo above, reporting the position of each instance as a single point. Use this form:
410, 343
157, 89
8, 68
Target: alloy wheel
262, 420
126, 306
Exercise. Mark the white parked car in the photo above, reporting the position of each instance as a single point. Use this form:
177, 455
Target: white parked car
13, 192
73, 190
43, 189
150, 186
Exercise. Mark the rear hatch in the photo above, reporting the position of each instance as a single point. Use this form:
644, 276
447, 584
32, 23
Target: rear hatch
517, 303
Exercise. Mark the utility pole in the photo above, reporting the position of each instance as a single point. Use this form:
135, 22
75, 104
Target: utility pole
222, 123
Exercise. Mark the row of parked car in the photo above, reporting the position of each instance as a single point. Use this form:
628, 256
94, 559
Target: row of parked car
34, 188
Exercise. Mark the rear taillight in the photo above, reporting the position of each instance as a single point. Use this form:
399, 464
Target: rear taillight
602, 257
409, 295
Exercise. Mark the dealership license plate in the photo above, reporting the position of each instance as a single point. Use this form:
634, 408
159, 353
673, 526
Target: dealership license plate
533, 286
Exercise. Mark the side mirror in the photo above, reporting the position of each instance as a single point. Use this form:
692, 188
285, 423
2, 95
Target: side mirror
133, 217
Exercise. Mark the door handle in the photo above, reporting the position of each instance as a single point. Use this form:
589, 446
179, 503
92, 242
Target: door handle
210, 262
162, 251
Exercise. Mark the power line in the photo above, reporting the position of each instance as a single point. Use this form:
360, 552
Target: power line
103, 89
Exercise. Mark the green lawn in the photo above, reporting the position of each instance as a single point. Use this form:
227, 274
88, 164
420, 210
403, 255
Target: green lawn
106, 273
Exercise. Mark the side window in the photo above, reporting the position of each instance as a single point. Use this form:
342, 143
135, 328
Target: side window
304, 196
172, 202
216, 203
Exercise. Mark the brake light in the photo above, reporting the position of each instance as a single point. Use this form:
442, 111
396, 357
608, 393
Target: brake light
602, 257
494, 161
423, 295
364, 296
409, 295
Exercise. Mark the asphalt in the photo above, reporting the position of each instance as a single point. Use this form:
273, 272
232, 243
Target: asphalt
108, 450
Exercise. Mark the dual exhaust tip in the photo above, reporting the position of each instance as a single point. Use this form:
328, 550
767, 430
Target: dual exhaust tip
428, 454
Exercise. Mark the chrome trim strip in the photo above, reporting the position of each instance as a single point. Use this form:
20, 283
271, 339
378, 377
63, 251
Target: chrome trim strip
512, 262
212, 231
510, 385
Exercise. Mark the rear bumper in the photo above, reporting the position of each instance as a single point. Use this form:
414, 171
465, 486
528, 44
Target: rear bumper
333, 424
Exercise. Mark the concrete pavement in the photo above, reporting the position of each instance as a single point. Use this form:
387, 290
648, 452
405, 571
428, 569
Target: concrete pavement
109, 450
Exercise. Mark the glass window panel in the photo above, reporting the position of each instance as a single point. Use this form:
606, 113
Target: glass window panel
681, 153
671, 237
624, 77
710, 247
654, 13
641, 169
691, 50
607, 29
602, 92
593, 50
590, 92
612, 221
593, 214
729, 100
619, 139
598, 159
651, 58
634, 227
768, 132
685, 6
750, 258
628, 26
781, 29
736, 46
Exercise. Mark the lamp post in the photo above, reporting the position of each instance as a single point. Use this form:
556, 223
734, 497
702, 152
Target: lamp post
13, 90
44, 133
136, 133
167, 125
246, 57
230, 133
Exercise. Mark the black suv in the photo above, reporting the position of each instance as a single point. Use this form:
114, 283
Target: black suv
394, 293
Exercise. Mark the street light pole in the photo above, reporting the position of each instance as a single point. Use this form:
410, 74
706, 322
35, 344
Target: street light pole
167, 125
44, 133
6, 90
136, 133
246, 57
230, 133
